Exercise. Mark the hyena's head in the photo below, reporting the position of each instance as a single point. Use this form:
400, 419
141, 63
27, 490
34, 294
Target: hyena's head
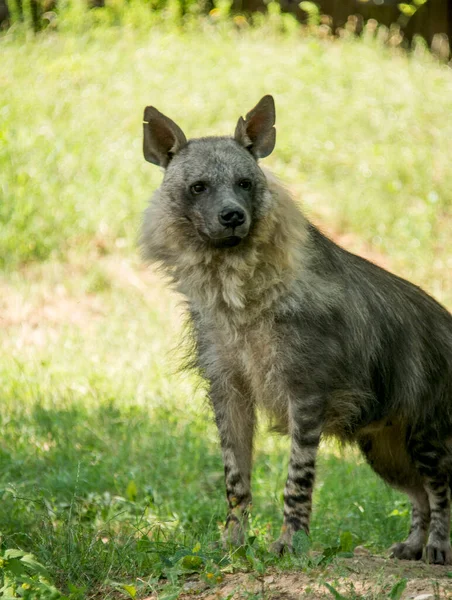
213, 192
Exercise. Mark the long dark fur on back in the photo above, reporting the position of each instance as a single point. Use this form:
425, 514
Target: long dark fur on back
325, 341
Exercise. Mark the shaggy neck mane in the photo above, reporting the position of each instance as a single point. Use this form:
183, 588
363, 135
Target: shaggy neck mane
245, 282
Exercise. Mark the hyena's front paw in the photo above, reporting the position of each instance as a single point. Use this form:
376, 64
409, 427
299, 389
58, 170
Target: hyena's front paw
438, 553
406, 551
284, 543
234, 532
280, 547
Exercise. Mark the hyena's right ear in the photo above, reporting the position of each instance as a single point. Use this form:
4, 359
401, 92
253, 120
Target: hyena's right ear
162, 137
257, 132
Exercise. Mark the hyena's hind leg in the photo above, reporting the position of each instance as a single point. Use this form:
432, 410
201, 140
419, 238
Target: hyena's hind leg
385, 449
433, 463
235, 418
438, 549
412, 548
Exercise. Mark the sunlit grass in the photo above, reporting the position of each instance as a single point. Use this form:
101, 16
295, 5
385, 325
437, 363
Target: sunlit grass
109, 461
363, 135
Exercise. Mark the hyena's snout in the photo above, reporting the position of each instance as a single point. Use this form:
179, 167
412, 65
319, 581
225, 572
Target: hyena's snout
232, 217
234, 224
225, 224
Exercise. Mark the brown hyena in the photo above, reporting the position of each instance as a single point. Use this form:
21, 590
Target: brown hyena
283, 318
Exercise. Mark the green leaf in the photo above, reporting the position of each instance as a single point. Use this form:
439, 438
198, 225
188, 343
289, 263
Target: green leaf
32, 582
240, 552
346, 541
407, 9
192, 562
131, 491
13, 553
331, 551
309, 7
313, 12
30, 561
398, 589
171, 596
130, 589
15, 566
335, 593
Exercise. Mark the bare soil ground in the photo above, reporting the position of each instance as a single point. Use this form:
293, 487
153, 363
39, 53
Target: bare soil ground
41, 301
360, 577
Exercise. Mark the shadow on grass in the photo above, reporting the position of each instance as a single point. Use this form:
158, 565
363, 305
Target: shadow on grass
78, 484
110, 491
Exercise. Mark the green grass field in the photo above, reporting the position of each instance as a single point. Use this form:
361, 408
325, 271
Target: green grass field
110, 471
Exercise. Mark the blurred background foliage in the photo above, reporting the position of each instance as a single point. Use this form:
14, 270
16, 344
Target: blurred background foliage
372, 129
431, 19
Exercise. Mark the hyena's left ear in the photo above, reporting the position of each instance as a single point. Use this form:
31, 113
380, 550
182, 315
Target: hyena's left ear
257, 132
162, 137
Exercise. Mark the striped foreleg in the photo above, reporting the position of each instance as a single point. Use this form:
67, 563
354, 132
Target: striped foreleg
305, 428
235, 419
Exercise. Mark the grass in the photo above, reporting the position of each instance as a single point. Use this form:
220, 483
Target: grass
110, 472
363, 135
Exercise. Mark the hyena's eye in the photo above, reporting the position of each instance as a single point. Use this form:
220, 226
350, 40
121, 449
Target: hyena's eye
245, 184
198, 188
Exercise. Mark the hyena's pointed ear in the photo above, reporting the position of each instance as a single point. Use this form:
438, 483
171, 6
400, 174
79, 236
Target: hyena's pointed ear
162, 137
257, 132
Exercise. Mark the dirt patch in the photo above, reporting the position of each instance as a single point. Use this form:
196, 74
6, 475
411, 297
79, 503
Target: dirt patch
357, 578
41, 301
35, 317
52, 306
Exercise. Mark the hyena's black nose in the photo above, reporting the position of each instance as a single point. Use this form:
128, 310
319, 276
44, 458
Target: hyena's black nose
232, 217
